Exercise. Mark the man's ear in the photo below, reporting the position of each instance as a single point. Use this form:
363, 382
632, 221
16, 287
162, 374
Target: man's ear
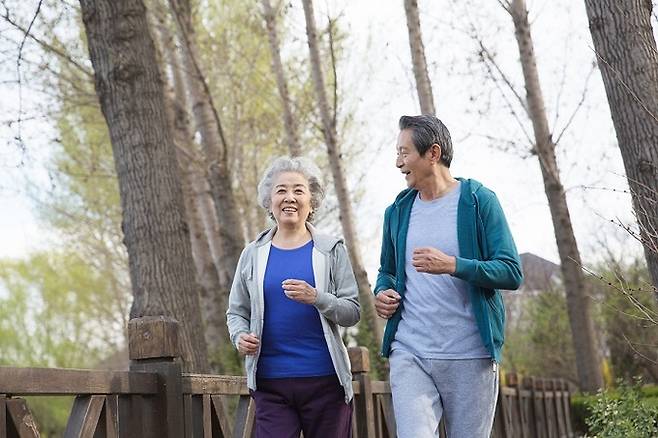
435, 152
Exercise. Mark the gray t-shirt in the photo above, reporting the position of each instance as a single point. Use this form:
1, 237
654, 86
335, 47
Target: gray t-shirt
437, 318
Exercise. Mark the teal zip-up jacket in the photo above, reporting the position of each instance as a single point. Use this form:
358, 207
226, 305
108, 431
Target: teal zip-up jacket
488, 259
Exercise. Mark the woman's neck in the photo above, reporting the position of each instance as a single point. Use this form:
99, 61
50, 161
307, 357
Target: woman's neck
291, 237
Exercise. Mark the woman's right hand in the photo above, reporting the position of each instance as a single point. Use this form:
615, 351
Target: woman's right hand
248, 344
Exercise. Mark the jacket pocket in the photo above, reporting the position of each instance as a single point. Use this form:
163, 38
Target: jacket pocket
496, 308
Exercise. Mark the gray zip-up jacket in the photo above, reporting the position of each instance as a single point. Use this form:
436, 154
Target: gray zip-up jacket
337, 299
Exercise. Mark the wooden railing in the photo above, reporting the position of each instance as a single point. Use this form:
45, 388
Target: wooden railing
155, 400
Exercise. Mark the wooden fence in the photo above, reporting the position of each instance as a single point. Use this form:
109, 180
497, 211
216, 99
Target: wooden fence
155, 400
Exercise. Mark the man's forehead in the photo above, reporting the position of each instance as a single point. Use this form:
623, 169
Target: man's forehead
405, 139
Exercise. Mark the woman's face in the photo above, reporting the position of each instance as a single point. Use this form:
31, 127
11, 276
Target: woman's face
291, 199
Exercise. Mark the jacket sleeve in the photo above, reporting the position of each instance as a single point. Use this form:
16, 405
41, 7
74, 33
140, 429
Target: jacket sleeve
340, 305
501, 265
387, 272
239, 304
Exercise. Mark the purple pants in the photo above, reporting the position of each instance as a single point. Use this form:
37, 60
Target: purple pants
315, 405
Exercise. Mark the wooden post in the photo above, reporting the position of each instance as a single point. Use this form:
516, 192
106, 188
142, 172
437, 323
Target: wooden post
363, 402
153, 347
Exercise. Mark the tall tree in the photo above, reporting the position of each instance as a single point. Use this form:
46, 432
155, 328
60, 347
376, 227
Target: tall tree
200, 214
213, 140
129, 88
577, 289
626, 50
423, 83
369, 318
282, 84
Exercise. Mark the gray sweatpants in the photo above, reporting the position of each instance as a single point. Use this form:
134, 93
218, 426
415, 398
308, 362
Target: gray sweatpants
423, 389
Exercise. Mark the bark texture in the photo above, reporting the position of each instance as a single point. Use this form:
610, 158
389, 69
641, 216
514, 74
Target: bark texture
213, 141
130, 90
626, 50
578, 294
423, 84
198, 205
369, 317
269, 14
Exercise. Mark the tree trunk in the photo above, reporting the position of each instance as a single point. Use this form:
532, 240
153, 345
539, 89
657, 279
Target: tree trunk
129, 87
212, 140
628, 60
577, 290
277, 68
214, 285
369, 318
423, 84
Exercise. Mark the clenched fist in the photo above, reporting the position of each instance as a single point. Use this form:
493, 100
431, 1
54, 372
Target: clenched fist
386, 303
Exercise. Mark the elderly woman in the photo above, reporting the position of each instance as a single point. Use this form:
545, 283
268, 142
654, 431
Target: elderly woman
292, 289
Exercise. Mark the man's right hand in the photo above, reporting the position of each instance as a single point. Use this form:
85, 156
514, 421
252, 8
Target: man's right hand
386, 303
248, 344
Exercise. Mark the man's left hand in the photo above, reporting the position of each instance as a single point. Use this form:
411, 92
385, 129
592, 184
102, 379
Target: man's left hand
300, 291
433, 261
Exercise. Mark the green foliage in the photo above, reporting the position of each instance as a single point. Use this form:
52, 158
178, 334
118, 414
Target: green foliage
628, 312
57, 312
622, 414
539, 344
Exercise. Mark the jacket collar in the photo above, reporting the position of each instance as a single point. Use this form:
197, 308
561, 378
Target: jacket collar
323, 242
469, 186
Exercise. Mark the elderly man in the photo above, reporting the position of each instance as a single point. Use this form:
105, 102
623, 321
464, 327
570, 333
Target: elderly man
446, 250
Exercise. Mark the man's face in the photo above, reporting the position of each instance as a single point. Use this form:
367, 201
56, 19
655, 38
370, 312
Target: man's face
416, 168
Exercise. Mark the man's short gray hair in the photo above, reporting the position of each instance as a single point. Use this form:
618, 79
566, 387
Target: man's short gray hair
301, 165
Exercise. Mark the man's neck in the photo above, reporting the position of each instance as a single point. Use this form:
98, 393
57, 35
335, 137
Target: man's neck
441, 183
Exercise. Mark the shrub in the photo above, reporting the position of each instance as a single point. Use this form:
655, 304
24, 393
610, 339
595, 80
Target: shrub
622, 414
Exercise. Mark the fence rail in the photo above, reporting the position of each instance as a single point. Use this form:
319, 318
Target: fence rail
156, 400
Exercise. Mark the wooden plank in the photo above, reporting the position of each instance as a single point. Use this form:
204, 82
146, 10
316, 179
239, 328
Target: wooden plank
61, 381
137, 424
112, 416
550, 414
22, 418
154, 417
380, 387
187, 414
209, 384
169, 397
207, 416
3, 415
365, 407
388, 415
221, 414
567, 413
153, 337
359, 359
559, 414
84, 417
244, 418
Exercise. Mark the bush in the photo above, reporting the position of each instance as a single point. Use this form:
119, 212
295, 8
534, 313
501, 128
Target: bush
622, 414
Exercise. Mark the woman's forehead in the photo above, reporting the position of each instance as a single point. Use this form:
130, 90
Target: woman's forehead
290, 179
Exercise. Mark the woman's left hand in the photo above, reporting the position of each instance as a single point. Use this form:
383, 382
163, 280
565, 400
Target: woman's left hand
300, 291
